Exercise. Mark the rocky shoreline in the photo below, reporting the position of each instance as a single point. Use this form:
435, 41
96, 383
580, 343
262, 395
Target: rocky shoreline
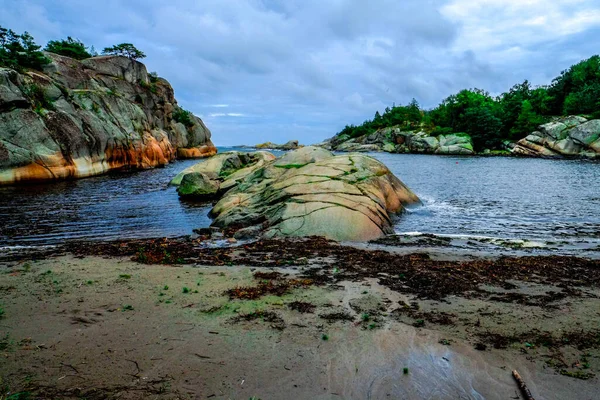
563, 137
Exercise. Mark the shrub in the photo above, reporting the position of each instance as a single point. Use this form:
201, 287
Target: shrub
38, 97
70, 48
182, 116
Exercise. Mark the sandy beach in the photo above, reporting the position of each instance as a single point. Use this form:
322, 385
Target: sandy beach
108, 326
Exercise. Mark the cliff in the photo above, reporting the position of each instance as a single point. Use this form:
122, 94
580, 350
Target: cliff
83, 118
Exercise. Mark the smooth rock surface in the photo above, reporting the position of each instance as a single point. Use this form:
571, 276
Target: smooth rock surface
198, 186
305, 192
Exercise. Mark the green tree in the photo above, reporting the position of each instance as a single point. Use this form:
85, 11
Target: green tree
578, 84
70, 47
126, 50
20, 51
527, 121
483, 126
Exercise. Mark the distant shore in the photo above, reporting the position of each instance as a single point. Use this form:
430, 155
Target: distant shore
171, 318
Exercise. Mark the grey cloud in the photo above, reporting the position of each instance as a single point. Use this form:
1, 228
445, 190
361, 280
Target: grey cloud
304, 69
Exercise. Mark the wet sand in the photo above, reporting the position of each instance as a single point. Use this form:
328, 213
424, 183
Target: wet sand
105, 326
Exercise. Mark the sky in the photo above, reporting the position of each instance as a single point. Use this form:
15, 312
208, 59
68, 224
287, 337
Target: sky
268, 70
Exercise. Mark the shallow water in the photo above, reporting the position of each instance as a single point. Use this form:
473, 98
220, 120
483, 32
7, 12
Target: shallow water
556, 201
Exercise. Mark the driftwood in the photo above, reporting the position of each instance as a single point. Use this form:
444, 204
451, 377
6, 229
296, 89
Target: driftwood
524, 389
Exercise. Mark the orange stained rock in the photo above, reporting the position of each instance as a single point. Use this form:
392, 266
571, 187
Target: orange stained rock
197, 152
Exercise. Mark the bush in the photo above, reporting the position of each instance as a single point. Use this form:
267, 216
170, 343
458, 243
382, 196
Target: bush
438, 130
153, 77
70, 48
38, 98
182, 116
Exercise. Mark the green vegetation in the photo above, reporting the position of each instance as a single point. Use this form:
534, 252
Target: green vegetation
183, 116
1, 312
324, 337
20, 52
405, 370
127, 307
39, 99
125, 276
150, 86
491, 120
185, 290
126, 50
70, 48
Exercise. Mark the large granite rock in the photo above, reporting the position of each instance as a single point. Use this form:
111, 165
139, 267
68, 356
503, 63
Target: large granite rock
226, 169
313, 192
83, 118
198, 185
571, 136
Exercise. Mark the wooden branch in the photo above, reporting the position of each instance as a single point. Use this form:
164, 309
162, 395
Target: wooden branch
524, 389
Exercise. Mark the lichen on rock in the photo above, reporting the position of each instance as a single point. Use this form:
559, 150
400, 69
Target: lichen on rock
306, 192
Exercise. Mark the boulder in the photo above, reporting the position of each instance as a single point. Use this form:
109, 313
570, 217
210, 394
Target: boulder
456, 143
10, 94
313, 192
421, 143
197, 185
227, 168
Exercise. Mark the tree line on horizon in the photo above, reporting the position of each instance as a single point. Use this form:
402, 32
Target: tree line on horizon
491, 120
20, 52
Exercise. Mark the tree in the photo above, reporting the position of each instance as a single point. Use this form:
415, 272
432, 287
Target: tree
527, 121
20, 51
70, 47
126, 50
579, 85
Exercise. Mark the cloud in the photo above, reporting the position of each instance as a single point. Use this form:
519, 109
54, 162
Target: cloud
216, 115
302, 70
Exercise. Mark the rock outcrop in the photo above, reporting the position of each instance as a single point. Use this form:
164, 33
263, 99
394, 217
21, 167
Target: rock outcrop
307, 192
291, 145
224, 171
84, 118
564, 137
395, 140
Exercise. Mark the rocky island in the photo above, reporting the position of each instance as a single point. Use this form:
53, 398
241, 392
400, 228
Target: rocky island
75, 119
306, 192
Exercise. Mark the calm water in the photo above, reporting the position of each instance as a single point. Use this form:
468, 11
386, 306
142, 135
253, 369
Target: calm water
482, 197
